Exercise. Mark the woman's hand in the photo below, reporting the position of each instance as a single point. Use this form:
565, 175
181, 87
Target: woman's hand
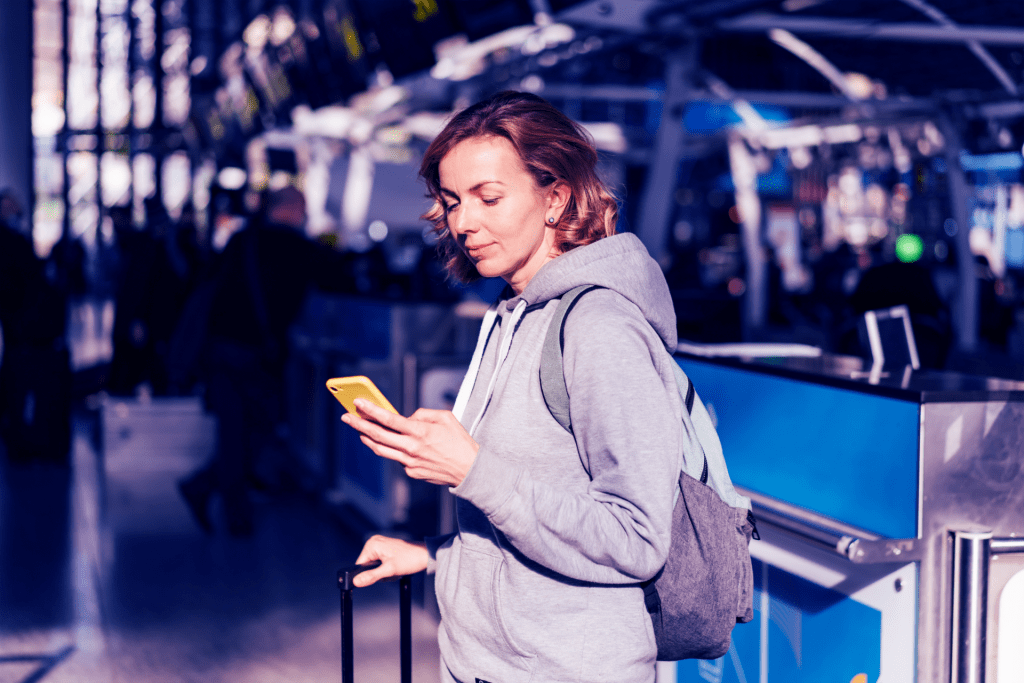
431, 445
397, 558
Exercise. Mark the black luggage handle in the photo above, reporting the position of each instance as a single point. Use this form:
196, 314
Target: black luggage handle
345, 576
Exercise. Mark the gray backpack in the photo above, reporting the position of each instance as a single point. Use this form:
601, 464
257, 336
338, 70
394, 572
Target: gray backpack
707, 583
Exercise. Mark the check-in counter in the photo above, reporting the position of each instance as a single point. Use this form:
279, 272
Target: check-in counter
890, 507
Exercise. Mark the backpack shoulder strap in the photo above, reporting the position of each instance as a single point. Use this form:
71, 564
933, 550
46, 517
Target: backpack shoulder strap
552, 379
689, 394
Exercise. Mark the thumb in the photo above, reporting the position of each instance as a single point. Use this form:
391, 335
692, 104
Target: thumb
370, 577
371, 550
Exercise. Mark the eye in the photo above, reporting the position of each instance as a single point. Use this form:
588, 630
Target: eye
448, 208
491, 202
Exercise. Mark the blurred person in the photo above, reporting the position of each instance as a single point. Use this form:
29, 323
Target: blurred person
909, 284
19, 270
557, 530
12, 213
180, 343
190, 254
995, 310
65, 267
138, 269
186, 345
257, 290
185, 265
35, 403
153, 282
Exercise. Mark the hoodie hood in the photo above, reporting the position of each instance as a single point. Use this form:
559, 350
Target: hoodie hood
620, 263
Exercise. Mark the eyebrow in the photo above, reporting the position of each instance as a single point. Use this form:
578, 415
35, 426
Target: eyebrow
445, 190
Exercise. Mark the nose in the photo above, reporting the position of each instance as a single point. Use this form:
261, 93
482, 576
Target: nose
462, 221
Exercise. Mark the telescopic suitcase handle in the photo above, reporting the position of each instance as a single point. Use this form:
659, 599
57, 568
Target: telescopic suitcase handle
345, 576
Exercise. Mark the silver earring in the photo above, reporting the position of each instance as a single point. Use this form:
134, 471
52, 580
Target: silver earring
551, 219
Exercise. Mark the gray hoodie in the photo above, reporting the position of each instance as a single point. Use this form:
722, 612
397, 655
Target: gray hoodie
557, 530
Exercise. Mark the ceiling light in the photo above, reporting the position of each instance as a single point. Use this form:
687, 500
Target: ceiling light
607, 136
231, 178
284, 26
257, 32
378, 231
860, 85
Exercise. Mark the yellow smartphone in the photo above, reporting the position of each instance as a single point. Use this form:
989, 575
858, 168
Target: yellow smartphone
348, 389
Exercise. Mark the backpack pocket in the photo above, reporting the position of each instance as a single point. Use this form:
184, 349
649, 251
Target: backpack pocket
697, 588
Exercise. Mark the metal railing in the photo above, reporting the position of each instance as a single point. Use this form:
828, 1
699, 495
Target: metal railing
972, 555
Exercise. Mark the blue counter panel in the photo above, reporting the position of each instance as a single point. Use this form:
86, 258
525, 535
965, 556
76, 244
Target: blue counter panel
844, 454
809, 634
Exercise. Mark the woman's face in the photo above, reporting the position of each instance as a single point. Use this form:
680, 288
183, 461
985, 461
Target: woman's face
496, 212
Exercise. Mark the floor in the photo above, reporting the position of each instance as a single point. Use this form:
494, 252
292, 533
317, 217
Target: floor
105, 578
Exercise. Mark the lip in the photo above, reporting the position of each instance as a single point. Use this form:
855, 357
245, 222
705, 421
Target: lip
475, 249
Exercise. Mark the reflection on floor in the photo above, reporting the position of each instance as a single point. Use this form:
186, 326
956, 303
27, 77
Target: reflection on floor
106, 579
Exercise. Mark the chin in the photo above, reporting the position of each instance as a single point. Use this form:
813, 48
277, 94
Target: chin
488, 269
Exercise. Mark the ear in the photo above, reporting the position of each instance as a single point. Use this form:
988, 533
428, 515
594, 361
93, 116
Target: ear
559, 194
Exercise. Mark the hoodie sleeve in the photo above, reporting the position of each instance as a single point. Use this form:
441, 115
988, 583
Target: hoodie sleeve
436, 547
626, 416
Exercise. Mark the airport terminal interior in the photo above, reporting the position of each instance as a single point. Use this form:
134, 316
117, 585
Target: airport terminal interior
834, 190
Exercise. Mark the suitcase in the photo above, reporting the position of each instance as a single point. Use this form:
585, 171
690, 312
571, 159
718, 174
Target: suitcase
345, 577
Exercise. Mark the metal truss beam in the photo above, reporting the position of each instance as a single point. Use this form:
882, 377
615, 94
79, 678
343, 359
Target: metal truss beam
976, 48
612, 93
907, 32
785, 98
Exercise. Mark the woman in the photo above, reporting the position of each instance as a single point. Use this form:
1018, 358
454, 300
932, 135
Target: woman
556, 529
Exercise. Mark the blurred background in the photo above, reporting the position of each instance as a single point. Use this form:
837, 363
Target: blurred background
791, 164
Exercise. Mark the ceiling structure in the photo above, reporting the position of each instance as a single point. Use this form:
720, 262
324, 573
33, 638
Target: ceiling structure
953, 68
609, 59
960, 48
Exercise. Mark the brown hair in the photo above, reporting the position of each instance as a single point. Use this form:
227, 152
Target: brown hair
551, 146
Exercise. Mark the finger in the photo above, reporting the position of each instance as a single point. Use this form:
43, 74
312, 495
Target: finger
403, 440
388, 452
421, 474
370, 551
388, 440
375, 412
387, 419
373, 430
368, 578
360, 422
